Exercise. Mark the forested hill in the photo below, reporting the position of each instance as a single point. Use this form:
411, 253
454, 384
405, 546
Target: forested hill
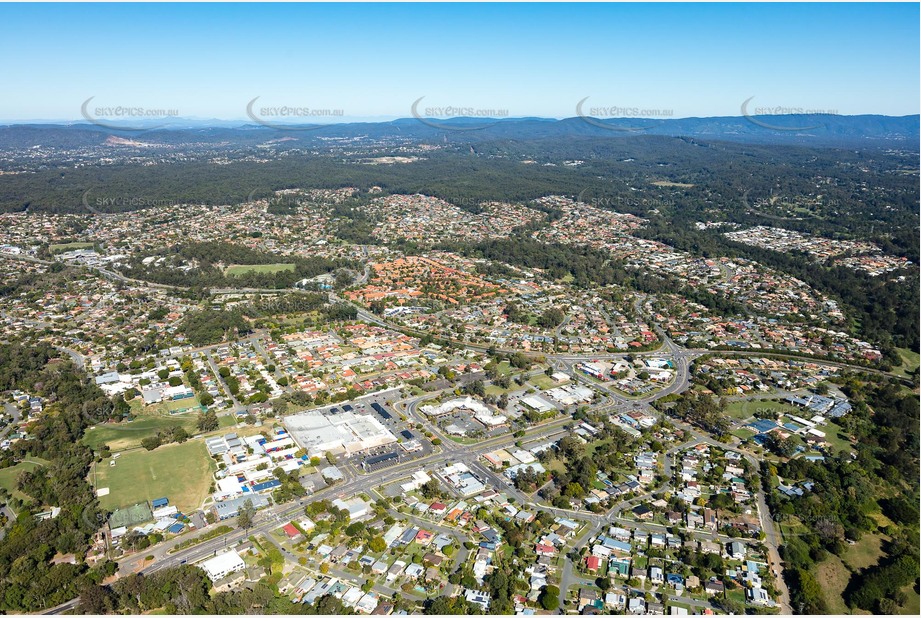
616, 171
859, 131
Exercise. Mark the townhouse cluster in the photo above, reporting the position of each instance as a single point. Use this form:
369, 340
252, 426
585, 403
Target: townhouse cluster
755, 375
762, 289
859, 255
694, 325
473, 308
361, 357
415, 278
428, 219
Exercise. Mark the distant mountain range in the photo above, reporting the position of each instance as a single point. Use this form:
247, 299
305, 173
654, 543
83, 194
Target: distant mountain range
863, 131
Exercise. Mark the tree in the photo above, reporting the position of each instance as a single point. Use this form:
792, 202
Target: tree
378, 307
430, 489
377, 544
355, 529
96, 599
550, 598
247, 515
551, 318
574, 490
451, 606
730, 605
807, 592
476, 388
208, 421
151, 442
328, 605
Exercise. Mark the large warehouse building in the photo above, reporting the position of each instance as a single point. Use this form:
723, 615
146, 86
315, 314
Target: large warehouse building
345, 432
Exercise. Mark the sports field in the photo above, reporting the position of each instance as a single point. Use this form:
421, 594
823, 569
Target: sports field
239, 269
8, 476
180, 472
123, 436
69, 247
744, 409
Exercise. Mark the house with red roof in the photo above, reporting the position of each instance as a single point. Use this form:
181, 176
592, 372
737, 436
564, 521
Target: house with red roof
291, 530
544, 550
592, 563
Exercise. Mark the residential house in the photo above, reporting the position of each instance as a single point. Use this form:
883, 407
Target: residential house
736, 550
587, 596
592, 564
714, 586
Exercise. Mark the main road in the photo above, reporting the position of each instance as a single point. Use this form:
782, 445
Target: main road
165, 555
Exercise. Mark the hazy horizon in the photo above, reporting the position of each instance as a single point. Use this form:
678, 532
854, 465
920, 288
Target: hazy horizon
203, 121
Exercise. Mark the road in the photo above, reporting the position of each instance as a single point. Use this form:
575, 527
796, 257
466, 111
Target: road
451, 452
25, 258
771, 540
13, 412
274, 517
75, 356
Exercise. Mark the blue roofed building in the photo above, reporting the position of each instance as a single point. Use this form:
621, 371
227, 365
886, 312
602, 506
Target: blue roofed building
763, 425
266, 485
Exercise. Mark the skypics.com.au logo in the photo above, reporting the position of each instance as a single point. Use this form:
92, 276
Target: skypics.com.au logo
601, 116
457, 118
108, 204
291, 117
760, 116
125, 117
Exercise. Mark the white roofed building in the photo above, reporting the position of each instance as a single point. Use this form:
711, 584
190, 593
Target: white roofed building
223, 565
345, 432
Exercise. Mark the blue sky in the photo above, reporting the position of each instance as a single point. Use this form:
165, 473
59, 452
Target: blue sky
210, 60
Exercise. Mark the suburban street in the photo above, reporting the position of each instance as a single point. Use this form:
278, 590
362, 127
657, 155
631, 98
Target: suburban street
523, 335
451, 451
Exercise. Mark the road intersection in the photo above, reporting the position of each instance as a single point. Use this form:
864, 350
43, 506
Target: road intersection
165, 555
449, 451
